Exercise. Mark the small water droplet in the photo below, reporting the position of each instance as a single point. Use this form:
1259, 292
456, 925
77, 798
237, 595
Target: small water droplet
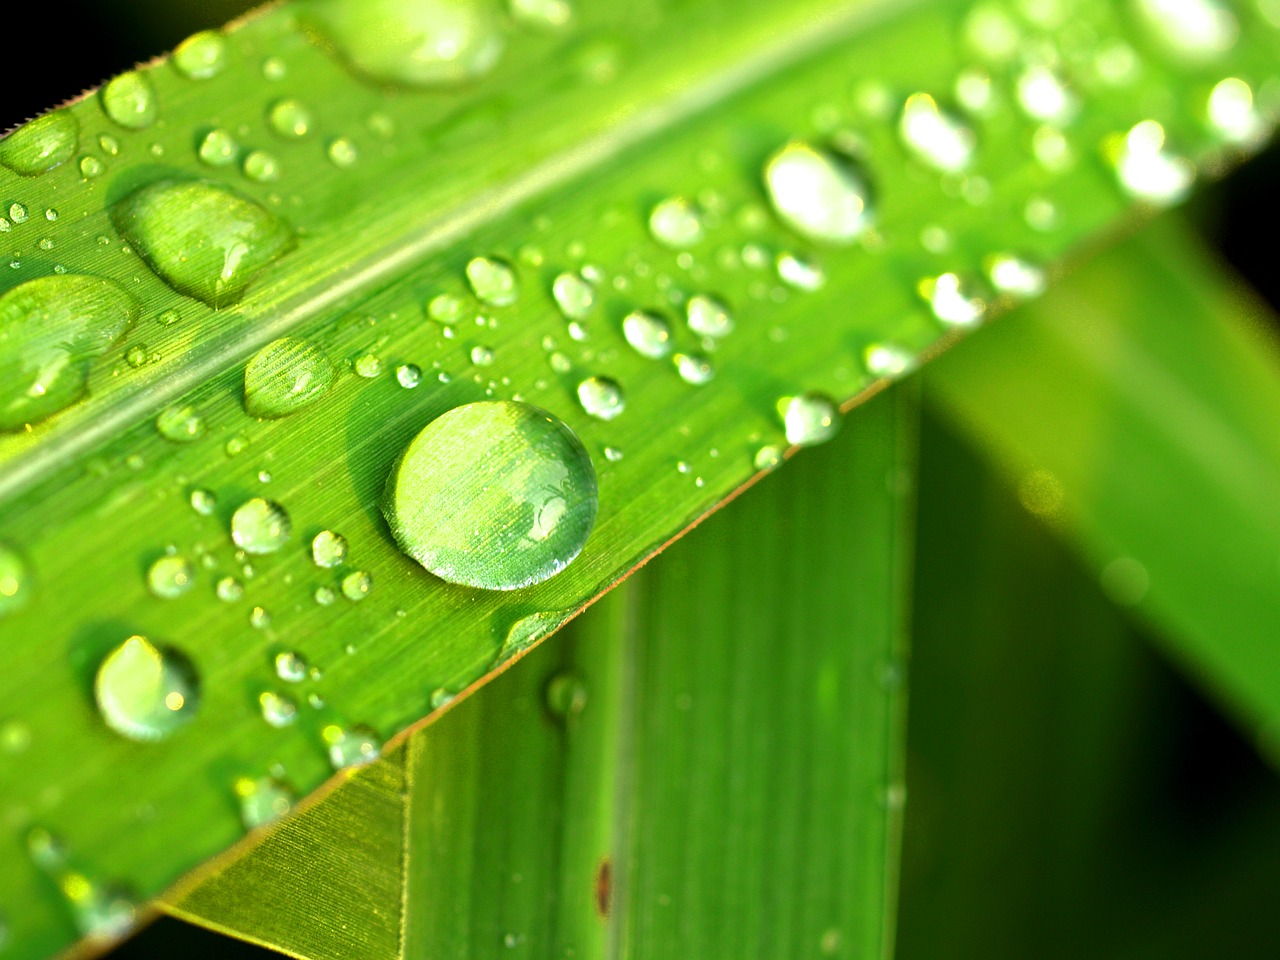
130, 101
493, 281
612, 454
325, 596
574, 295
171, 576
229, 590
290, 666
601, 397
180, 423
566, 696
647, 333
481, 356
767, 457
284, 376
15, 582
800, 273
329, 549
357, 585
935, 136
888, 360
1147, 170
343, 153
708, 316
694, 369
1126, 581
819, 194
218, 149
259, 618
559, 362
203, 501
146, 692
510, 507
809, 419
290, 118
201, 56
41, 144
260, 526
277, 709
18, 213
676, 223
261, 166
262, 800
953, 300
350, 747
274, 69
201, 238
1194, 31
1043, 95
91, 167
1016, 277
408, 375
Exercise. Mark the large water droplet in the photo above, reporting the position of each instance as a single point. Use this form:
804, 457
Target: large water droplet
493, 281
818, 193
260, 526
1147, 170
15, 582
146, 692
417, 43
351, 747
42, 144
809, 419
262, 801
130, 101
201, 56
601, 397
1191, 30
50, 329
171, 576
935, 136
284, 376
647, 333
497, 495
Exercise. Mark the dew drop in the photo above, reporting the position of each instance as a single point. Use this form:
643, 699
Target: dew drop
953, 300
409, 375
708, 317
1195, 31
203, 239
325, 596
601, 397
261, 167
819, 194
18, 213
1146, 170
612, 454
694, 369
676, 223
180, 423
1232, 114
481, 356
201, 56
218, 149
260, 526
1015, 276
228, 590
446, 308
888, 360
51, 328
343, 153
130, 101
768, 457
566, 696
935, 136
368, 366
259, 618
290, 666
262, 800
285, 376
203, 501
1043, 95
328, 549
91, 167
647, 333
277, 709
357, 585
15, 582
493, 281
274, 69
497, 495
145, 692
290, 118
41, 144
800, 273
350, 747
171, 576
809, 419
574, 295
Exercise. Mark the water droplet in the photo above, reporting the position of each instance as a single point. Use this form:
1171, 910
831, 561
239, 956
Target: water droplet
146, 692
481, 356
936, 137
41, 144
612, 454
768, 457
328, 549
260, 526
201, 238
888, 360
493, 281
15, 737
274, 69
819, 194
261, 167
566, 695
559, 362
201, 56
1016, 277
954, 301
137, 356
601, 397
203, 501
229, 590
708, 317
1195, 31
180, 423
218, 149
574, 295
441, 697
290, 667
1147, 170
262, 801
277, 709
809, 419
992, 33
676, 222
284, 376
51, 328
647, 333
259, 618
509, 507
101, 911
130, 101
325, 596
171, 576
409, 375
91, 167
541, 13
350, 747
15, 583
1043, 95
1233, 115
415, 43
800, 273
290, 118
343, 153
357, 585
694, 368
17, 213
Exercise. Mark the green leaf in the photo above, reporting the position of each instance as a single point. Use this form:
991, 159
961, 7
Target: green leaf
709, 759
1137, 411
579, 156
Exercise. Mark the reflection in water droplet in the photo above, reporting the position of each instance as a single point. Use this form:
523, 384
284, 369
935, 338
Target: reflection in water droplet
260, 526
409, 375
1147, 170
493, 281
145, 692
130, 101
1233, 115
171, 576
262, 801
509, 507
201, 56
936, 137
818, 193
284, 376
601, 397
41, 144
676, 223
809, 419
351, 747
647, 333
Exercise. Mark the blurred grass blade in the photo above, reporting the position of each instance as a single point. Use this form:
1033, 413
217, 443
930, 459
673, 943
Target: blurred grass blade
614, 163
725, 726
1138, 408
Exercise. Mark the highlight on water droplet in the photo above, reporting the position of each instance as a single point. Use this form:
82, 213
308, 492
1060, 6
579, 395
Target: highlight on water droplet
1146, 169
202, 238
145, 692
201, 56
262, 800
497, 495
935, 136
888, 360
260, 526
51, 329
493, 281
350, 747
171, 576
328, 549
180, 423
954, 301
415, 43
15, 581
130, 101
819, 194
708, 317
1044, 95
676, 222
601, 397
574, 295
1015, 277
1194, 31
285, 376
1233, 115
647, 334
41, 144
809, 419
